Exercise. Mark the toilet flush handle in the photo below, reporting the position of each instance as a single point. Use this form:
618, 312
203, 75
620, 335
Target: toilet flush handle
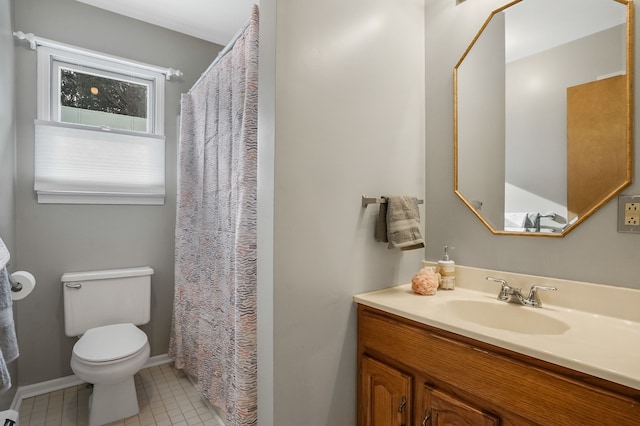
76, 286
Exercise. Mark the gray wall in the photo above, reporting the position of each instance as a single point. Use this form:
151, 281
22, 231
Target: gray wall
7, 157
54, 239
594, 252
348, 120
480, 78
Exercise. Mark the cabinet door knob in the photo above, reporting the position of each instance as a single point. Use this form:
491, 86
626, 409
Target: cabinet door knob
402, 404
426, 418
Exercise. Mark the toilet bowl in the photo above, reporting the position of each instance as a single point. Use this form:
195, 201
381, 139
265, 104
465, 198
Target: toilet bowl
103, 309
108, 357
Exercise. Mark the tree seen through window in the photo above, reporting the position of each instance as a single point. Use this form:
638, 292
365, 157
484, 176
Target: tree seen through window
95, 93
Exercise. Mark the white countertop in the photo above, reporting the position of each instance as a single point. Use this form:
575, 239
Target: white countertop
601, 345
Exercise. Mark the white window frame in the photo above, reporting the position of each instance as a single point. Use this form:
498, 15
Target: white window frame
150, 83
50, 59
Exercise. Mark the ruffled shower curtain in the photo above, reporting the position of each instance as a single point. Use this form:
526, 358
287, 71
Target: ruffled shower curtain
213, 336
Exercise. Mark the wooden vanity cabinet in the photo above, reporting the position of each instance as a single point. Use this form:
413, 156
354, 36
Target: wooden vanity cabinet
389, 392
448, 379
441, 409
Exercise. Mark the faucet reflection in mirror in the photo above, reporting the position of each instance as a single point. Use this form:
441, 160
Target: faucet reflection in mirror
534, 222
530, 133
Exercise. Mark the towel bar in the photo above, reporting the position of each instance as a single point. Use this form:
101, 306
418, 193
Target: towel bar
377, 200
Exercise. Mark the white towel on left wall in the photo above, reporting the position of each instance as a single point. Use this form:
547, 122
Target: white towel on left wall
8, 341
4, 254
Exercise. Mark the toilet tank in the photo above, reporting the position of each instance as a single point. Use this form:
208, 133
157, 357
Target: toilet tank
97, 298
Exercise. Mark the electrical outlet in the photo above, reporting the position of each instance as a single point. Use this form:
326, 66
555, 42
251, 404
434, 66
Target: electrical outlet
632, 214
629, 213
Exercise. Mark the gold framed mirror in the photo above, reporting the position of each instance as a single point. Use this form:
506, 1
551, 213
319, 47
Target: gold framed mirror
543, 113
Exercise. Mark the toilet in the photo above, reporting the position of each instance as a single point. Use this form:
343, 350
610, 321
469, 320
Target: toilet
104, 308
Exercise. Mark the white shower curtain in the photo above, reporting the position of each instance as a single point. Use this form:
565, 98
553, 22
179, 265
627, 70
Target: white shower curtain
213, 336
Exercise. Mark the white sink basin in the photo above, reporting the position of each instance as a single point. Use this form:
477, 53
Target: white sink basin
590, 328
506, 316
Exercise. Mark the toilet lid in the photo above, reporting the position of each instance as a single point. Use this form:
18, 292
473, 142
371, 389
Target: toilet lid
110, 342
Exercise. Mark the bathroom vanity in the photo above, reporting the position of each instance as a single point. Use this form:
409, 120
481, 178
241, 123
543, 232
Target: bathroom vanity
435, 360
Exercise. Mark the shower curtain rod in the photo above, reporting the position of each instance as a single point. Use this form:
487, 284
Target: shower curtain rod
223, 52
35, 41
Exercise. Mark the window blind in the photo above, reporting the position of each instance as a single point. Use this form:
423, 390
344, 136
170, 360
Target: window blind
82, 164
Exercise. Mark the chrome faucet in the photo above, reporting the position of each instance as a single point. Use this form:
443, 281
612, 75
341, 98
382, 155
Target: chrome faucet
514, 295
553, 216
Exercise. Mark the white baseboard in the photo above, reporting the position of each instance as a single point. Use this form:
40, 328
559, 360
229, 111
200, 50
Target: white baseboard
36, 389
158, 360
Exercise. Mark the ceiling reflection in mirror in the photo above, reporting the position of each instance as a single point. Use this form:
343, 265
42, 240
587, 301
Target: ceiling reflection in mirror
542, 117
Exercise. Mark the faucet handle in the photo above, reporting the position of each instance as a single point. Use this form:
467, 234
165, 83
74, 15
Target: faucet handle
533, 294
499, 281
506, 289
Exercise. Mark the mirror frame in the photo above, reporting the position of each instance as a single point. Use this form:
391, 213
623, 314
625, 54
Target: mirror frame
629, 132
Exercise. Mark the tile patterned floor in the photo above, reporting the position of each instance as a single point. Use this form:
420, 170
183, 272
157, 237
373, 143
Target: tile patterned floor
165, 395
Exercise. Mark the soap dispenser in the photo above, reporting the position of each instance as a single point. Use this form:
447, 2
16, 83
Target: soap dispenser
447, 271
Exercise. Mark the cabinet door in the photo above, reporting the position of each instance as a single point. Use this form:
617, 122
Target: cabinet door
386, 394
441, 409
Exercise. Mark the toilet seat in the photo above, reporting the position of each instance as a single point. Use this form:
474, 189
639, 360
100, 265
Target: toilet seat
110, 343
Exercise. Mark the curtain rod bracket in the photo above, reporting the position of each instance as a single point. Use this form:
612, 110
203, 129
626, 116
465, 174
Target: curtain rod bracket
29, 37
171, 73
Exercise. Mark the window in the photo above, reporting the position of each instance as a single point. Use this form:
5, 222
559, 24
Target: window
100, 129
87, 96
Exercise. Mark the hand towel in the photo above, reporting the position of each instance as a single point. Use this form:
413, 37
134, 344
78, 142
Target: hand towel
8, 342
4, 254
403, 223
381, 224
